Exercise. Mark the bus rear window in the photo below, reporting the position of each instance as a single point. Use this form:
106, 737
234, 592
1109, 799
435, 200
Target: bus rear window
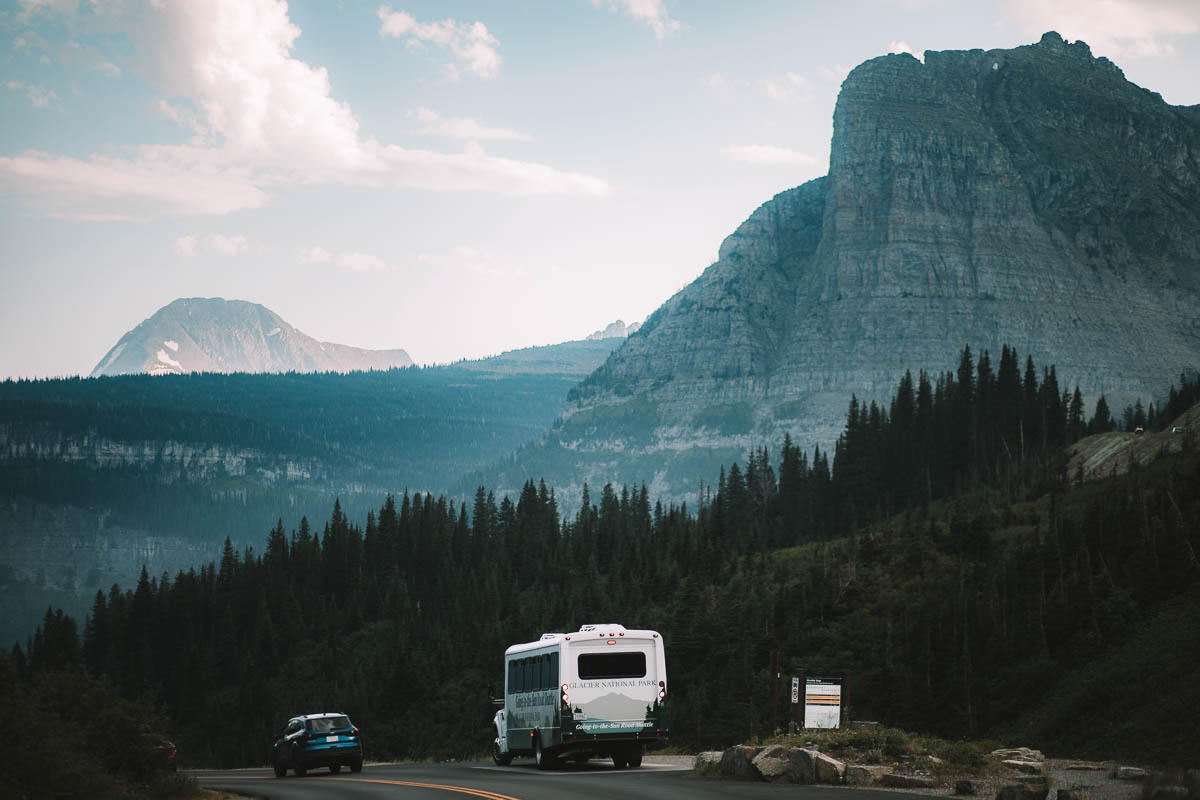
611, 665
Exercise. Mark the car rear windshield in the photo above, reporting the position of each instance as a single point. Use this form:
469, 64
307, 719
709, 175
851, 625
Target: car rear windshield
612, 665
323, 724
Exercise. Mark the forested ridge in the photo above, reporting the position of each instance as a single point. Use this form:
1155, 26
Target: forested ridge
941, 558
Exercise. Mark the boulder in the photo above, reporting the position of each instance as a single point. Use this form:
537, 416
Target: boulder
1019, 753
1024, 791
709, 759
895, 780
772, 763
828, 769
1131, 774
1028, 767
736, 762
864, 775
802, 765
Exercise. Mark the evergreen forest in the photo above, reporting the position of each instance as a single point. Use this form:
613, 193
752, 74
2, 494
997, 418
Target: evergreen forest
943, 560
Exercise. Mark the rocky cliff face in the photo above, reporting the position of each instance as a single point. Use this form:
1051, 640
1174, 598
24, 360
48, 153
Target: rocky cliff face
217, 335
1030, 196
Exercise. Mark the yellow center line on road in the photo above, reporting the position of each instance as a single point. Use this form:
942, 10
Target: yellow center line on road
462, 789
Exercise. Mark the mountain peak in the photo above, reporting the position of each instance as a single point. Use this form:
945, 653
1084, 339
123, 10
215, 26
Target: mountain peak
212, 334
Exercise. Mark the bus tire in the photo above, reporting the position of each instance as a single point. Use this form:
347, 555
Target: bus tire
634, 757
500, 759
543, 759
618, 758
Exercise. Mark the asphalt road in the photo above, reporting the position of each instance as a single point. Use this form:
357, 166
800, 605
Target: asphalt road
597, 780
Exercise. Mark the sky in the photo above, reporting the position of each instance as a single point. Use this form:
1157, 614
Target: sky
452, 178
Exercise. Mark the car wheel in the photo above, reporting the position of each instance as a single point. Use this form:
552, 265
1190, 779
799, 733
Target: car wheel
335, 768
356, 765
298, 763
634, 757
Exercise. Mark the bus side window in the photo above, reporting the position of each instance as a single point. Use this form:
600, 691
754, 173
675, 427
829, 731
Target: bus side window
530, 674
545, 676
517, 676
553, 671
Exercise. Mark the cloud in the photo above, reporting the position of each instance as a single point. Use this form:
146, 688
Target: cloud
151, 184
767, 155
38, 97
361, 262
1118, 29
186, 246
462, 127
473, 170
785, 87
903, 47
837, 73
262, 120
471, 44
649, 12
229, 245
315, 255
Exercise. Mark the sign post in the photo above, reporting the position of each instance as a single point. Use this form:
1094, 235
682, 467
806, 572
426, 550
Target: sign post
822, 702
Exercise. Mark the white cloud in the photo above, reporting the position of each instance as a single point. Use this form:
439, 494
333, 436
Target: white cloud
470, 43
315, 255
186, 246
836, 73
473, 170
785, 87
263, 120
904, 47
361, 262
462, 127
767, 155
1118, 29
38, 96
649, 12
229, 245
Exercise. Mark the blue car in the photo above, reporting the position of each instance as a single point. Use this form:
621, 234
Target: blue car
317, 740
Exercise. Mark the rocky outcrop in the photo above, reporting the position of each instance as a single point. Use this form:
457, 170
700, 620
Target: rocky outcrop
1030, 197
614, 330
216, 335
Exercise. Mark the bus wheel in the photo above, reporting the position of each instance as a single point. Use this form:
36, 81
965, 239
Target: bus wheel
618, 759
544, 761
500, 759
634, 757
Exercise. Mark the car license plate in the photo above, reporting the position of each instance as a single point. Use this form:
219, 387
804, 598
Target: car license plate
331, 738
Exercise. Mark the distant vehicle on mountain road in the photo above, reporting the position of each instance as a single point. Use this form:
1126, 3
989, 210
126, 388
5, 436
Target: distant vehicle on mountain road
317, 740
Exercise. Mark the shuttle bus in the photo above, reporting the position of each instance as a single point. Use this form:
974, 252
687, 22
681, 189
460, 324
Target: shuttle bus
600, 692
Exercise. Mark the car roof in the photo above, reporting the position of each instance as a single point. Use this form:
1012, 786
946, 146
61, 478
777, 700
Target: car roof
321, 715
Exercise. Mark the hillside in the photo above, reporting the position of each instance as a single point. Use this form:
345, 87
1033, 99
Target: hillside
1030, 196
98, 476
216, 335
1116, 452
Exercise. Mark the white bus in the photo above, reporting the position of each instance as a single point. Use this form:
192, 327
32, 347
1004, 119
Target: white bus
599, 692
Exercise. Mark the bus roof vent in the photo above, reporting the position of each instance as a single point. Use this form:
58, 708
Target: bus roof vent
606, 626
551, 635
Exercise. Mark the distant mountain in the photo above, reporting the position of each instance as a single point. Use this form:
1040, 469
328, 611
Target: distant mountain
215, 335
1031, 197
616, 330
